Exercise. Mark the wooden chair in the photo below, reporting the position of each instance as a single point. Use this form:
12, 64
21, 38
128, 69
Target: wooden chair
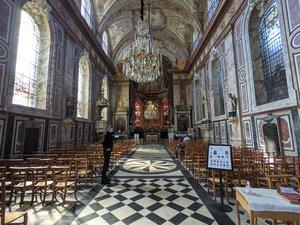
62, 183
96, 163
46, 162
9, 218
19, 182
83, 170
213, 182
40, 182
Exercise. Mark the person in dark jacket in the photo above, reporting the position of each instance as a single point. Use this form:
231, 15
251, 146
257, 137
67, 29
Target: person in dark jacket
107, 143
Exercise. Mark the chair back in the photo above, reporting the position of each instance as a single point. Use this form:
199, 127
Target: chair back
61, 174
18, 175
2, 200
39, 174
2, 172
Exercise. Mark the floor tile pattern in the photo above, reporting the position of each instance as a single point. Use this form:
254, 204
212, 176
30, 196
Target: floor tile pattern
146, 201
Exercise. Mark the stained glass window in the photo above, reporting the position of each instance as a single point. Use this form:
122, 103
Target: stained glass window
83, 89
28, 63
86, 11
275, 83
218, 88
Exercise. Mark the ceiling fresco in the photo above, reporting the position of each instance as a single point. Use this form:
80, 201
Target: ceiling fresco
173, 24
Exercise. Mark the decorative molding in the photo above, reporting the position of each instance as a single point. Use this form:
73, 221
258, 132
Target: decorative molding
214, 54
38, 7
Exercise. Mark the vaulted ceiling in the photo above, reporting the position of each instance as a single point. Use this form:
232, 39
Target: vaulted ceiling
174, 23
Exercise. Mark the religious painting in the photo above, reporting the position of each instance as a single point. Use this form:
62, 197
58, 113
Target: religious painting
120, 123
151, 111
285, 133
183, 122
248, 132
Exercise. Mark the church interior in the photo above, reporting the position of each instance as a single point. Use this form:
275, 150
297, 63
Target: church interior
201, 99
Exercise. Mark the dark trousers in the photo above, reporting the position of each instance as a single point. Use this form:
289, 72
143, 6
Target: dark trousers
106, 155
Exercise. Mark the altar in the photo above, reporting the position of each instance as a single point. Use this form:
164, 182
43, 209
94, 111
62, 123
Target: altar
151, 138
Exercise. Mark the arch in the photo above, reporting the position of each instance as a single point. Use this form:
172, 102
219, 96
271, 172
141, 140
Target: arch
33, 53
269, 73
105, 43
216, 83
83, 92
86, 10
248, 67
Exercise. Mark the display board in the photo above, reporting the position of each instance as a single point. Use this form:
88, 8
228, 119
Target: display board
219, 157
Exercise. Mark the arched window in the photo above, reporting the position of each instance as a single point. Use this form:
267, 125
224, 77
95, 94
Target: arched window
267, 55
83, 88
86, 11
31, 73
217, 79
105, 42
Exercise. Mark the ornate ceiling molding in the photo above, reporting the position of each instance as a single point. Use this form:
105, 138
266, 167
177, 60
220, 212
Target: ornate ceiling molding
120, 8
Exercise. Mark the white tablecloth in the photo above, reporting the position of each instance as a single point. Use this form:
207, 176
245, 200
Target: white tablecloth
260, 199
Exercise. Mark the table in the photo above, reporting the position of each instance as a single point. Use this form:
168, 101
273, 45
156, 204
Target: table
265, 203
152, 138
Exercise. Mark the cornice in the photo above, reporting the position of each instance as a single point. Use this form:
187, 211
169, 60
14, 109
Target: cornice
73, 11
221, 11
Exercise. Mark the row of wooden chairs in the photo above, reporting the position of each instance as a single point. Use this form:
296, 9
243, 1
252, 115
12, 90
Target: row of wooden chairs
262, 170
57, 174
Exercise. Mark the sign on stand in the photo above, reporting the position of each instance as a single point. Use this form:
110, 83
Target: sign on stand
219, 157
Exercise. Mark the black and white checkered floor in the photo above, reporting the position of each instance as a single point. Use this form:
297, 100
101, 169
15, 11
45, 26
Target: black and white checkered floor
148, 188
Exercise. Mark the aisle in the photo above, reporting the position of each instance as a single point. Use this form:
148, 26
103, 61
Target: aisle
148, 188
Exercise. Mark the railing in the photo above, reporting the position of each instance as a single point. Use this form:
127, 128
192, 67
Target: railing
211, 11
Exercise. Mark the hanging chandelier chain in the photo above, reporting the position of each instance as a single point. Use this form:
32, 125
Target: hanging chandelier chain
142, 60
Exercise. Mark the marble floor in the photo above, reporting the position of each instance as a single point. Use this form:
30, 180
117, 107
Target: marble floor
149, 187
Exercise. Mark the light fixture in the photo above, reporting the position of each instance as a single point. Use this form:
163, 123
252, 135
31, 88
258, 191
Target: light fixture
142, 59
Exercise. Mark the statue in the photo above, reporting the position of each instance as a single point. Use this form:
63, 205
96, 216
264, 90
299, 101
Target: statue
233, 101
69, 108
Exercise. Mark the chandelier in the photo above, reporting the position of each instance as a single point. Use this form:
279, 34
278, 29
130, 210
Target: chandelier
142, 59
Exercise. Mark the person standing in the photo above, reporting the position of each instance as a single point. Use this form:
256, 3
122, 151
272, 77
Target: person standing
107, 143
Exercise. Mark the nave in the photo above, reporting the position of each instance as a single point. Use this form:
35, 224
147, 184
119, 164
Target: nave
148, 187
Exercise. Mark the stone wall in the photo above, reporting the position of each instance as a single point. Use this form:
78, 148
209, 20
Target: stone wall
68, 43
230, 41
